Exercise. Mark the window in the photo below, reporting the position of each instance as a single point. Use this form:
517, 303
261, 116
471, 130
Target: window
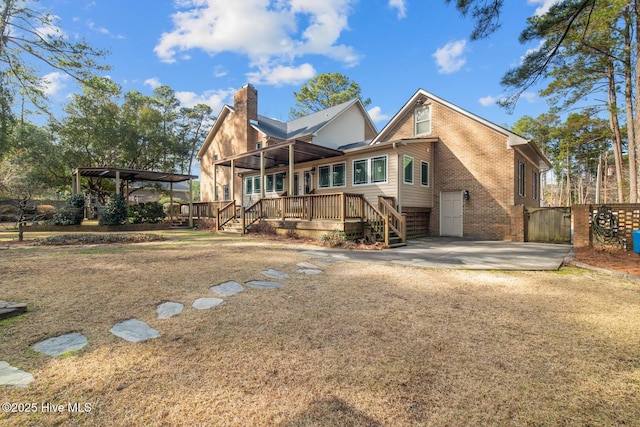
268, 183
256, 184
332, 175
422, 117
424, 180
280, 182
521, 178
339, 174
360, 174
248, 185
324, 177
225, 192
408, 170
215, 198
258, 145
215, 157
370, 171
535, 187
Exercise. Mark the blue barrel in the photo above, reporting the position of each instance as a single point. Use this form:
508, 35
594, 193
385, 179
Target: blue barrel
636, 241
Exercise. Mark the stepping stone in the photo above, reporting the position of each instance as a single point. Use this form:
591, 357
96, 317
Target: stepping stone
13, 376
260, 284
315, 253
169, 309
309, 271
9, 309
134, 330
227, 289
205, 303
308, 265
60, 345
325, 260
275, 274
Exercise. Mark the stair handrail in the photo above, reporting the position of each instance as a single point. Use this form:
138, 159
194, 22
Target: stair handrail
397, 221
226, 214
376, 220
250, 215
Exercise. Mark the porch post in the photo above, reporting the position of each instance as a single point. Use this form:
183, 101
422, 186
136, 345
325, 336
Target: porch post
291, 169
170, 201
117, 182
215, 184
233, 180
262, 174
190, 203
76, 182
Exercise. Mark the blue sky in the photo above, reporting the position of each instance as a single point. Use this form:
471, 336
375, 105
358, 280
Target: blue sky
206, 49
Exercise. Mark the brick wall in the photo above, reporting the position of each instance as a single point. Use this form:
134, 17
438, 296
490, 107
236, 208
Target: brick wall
628, 220
470, 156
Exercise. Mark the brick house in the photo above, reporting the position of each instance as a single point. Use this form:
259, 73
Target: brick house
434, 169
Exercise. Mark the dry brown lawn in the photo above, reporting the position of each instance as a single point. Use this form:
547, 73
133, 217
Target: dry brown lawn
360, 344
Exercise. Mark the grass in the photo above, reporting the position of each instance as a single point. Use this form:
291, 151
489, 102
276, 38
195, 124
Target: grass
360, 344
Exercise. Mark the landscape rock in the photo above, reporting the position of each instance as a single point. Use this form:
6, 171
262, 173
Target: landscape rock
169, 309
134, 330
260, 284
275, 274
227, 289
205, 303
10, 376
59, 345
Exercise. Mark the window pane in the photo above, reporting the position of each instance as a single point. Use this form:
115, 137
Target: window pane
256, 184
339, 175
408, 169
423, 120
360, 172
425, 173
323, 177
379, 169
269, 183
248, 185
279, 182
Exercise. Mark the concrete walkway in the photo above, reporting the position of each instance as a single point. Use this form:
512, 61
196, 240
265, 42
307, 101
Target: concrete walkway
464, 254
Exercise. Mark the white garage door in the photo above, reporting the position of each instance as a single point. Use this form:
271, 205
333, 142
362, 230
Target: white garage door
451, 213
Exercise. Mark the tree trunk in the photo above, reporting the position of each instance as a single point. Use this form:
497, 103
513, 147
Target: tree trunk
633, 127
615, 128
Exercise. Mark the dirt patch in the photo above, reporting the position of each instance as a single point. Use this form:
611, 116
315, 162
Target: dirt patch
612, 259
359, 344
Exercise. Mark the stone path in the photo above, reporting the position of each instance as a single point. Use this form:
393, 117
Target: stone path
9, 309
134, 330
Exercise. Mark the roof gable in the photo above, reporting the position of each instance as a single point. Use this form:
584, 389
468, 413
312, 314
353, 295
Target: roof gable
226, 110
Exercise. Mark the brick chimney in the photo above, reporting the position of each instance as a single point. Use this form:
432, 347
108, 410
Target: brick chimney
245, 106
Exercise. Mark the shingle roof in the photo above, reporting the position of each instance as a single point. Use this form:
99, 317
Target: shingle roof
302, 126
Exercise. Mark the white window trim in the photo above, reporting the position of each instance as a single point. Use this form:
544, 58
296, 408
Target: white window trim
369, 161
422, 162
404, 170
415, 120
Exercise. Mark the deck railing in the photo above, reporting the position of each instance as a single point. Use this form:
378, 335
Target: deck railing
397, 221
226, 214
376, 219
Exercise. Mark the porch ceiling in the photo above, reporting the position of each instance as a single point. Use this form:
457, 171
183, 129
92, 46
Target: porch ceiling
278, 155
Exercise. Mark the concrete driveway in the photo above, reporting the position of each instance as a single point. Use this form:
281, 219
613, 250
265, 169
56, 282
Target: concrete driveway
438, 252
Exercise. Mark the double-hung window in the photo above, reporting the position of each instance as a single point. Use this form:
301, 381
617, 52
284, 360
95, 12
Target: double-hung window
252, 185
370, 171
424, 176
535, 185
422, 119
521, 178
408, 169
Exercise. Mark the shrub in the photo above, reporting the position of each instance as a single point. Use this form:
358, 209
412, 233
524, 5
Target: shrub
334, 239
115, 212
262, 227
208, 224
150, 212
71, 214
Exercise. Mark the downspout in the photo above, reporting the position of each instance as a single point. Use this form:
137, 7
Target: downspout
399, 184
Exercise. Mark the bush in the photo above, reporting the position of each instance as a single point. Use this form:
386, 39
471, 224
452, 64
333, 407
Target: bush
150, 212
115, 212
71, 214
334, 239
262, 227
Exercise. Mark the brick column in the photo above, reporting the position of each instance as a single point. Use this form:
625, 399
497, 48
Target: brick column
580, 216
518, 223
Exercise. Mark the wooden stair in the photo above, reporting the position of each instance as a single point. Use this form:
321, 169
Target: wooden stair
232, 227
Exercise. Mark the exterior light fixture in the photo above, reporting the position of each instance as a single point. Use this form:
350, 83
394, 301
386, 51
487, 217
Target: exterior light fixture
465, 195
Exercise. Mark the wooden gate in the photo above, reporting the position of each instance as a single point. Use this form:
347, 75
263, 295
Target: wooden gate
548, 225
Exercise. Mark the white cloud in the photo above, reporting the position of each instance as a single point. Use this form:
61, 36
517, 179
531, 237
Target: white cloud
376, 114
530, 97
488, 101
280, 75
401, 6
450, 58
53, 83
153, 82
544, 7
213, 98
273, 32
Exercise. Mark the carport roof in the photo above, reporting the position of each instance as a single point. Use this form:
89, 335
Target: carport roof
278, 155
133, 174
